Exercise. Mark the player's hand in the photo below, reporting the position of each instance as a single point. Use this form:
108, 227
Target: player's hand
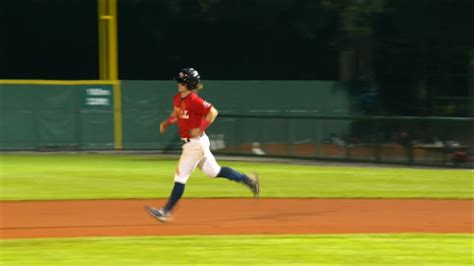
195, 132
163, 126
171, 120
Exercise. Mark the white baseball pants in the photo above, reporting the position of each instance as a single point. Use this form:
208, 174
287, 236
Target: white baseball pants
196, 152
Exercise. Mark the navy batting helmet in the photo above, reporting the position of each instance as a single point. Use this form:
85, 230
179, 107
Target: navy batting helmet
190, 77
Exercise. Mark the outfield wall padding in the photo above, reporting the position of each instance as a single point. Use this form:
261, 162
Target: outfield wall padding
49, 117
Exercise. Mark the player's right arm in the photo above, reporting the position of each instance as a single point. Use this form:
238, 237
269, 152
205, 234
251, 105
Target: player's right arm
171, 120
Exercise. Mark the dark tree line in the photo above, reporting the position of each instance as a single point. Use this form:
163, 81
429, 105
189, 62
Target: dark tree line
420, 54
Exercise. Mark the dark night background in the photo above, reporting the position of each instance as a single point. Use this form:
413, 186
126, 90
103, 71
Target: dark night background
420, 54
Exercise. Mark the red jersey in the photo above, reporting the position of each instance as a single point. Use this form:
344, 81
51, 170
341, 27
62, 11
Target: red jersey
190, 111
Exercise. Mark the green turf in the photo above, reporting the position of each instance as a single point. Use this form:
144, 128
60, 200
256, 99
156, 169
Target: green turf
397, 249
86, 176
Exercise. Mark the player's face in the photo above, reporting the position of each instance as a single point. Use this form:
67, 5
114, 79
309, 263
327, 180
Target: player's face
182, 87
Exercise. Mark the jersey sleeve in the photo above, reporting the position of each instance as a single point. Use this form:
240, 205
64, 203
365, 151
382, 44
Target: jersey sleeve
200, 106
176, 101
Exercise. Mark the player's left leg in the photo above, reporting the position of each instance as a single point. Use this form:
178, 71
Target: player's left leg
251, 181
211, 168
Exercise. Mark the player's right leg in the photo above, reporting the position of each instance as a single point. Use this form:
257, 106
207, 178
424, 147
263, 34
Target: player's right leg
192, 154
188, 161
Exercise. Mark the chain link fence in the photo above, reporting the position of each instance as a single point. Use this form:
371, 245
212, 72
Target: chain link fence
439, 141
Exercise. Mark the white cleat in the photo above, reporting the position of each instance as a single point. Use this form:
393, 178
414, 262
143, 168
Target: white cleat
255, 185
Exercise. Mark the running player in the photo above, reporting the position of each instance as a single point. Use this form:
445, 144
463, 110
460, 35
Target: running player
193, 115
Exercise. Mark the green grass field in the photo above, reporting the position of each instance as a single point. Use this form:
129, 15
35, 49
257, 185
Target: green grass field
92, 176
400, 249
40, 177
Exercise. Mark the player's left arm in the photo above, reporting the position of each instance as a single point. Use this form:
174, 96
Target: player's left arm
211, 116
207, 120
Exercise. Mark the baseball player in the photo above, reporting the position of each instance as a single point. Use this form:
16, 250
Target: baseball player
193, 116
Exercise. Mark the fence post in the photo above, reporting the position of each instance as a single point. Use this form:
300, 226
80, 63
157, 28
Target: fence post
291, 137
318, 138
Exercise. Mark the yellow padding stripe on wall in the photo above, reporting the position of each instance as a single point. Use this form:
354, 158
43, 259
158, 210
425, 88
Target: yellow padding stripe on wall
58, 82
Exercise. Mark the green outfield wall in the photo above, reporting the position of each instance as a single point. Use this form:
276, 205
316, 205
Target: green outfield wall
82, 115
147, 103
307, 119
62, 115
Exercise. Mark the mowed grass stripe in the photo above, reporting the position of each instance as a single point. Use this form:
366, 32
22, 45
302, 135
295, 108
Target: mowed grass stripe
93, 176
372, 249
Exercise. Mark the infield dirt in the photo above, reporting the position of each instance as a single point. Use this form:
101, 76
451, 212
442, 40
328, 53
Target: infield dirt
78, 218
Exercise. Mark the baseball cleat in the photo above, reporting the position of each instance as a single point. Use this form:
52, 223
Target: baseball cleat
159, 214
254, 185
